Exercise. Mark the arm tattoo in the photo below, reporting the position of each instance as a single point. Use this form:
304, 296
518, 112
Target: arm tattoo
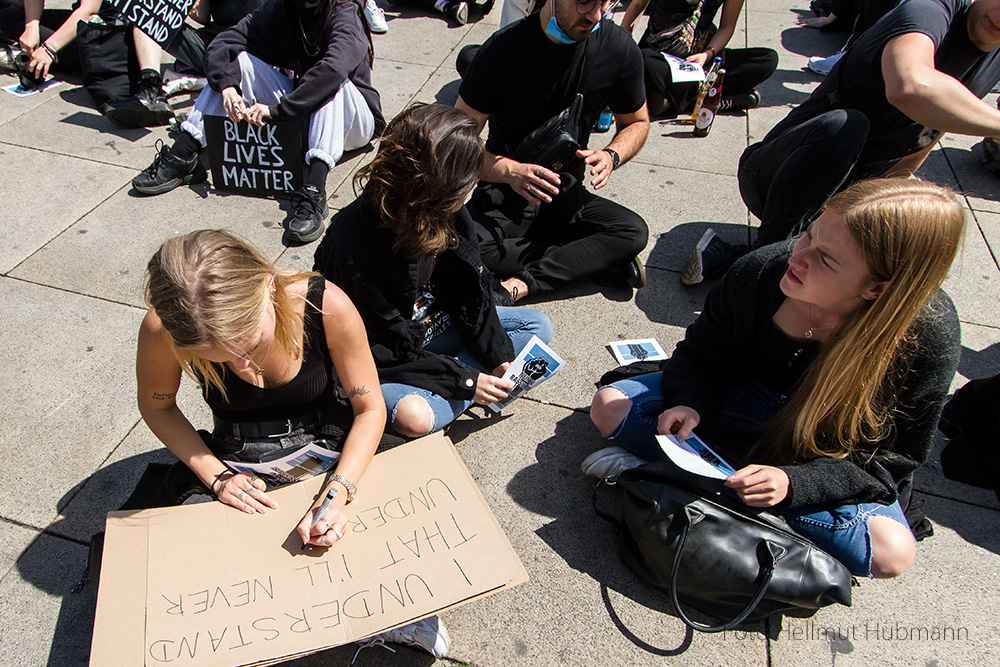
163, 397
356, 391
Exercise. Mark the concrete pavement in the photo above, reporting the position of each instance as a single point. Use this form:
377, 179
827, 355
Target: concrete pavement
72, 444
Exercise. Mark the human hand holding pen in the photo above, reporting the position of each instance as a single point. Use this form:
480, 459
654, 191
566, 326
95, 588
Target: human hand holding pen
324, 524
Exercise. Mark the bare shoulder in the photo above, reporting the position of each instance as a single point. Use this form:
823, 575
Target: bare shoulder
338, 309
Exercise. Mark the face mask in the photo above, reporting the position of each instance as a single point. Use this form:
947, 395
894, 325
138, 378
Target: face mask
554, 31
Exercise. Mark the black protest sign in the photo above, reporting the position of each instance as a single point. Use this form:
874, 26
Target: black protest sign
160, 19
254, 160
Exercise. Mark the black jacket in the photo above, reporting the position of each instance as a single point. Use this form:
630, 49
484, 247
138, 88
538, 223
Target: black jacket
734, 340
271, 33
356, 254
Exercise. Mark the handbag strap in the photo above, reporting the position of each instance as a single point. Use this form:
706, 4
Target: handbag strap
588, 62
767, 567
608, 481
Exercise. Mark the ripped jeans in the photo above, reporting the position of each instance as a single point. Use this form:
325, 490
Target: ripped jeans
840, 531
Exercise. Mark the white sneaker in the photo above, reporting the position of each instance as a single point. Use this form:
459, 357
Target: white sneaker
822, 66
376, 18
428, 634
610, 461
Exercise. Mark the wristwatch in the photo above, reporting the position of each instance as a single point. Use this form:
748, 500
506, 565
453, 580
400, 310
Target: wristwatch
615, 160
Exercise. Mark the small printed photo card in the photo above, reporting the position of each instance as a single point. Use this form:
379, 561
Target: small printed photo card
693, 455
21, 91
535, 364
630, 351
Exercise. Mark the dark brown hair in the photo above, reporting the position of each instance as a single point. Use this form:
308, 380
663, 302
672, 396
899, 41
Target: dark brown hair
428, 162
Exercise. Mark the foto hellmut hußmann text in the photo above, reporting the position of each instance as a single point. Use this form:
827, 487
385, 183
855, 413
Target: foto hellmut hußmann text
866, 631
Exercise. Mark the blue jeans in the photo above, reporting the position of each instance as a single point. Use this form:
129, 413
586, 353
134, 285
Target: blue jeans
842, 531
519, 323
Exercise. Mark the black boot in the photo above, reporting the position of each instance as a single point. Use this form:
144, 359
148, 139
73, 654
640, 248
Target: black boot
309, 209
147, 108
167, 172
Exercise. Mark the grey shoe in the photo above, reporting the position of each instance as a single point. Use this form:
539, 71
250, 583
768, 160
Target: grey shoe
427, 634
710, 259
610, 462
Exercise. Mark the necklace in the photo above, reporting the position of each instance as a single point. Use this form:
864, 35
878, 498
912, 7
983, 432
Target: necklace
812, 327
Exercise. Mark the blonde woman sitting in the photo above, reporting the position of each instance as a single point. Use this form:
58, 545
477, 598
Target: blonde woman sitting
819, 370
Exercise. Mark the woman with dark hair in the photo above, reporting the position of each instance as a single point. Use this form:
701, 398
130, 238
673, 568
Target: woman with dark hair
407, 254
327, 45
819, 371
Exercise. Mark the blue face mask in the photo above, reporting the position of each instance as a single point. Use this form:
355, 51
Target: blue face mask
554, 31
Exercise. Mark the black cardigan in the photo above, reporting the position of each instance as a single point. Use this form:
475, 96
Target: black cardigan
735, 340
356, 254
267, 34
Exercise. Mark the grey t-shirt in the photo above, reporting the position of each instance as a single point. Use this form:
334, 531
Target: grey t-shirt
856, 82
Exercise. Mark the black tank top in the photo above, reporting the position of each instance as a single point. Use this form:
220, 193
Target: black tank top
305, 393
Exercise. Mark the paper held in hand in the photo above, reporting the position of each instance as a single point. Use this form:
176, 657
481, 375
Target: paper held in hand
535, 364
693, 455
681, 70
208, 585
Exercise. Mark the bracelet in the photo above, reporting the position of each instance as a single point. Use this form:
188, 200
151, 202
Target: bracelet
348, 484
217, 477
52, 54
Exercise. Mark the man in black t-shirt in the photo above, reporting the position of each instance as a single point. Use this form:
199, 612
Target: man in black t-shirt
919, 72
539, 227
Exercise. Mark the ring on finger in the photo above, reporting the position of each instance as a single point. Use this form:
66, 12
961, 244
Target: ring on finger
337, 533
254, 478
538, 172
325, 522
529, 187
250, 490
322, 539
240, 495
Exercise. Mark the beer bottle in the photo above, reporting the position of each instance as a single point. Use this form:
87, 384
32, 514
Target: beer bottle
706, 116
703, 87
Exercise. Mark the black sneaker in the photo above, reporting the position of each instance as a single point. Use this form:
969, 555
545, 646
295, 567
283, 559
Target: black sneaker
488, 7
740, 102
710, 259
167, 172
309, 208
147, 108
457, 12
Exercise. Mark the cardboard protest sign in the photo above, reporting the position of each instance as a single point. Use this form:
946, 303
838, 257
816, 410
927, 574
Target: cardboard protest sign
160, 19
209, 585
254, 160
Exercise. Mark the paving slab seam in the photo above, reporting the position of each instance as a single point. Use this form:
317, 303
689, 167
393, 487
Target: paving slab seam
69, 291
68, 227
638, 160
968, 503
982, 235
74, 157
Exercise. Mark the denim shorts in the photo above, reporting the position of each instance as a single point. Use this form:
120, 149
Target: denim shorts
842, 531
519, 323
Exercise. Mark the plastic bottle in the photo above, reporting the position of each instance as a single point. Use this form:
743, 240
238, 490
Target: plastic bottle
604, 120
703, 125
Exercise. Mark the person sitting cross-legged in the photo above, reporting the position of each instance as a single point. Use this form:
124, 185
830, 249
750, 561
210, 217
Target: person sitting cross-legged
327, 45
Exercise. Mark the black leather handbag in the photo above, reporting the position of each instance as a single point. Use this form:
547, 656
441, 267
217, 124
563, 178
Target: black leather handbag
712, 553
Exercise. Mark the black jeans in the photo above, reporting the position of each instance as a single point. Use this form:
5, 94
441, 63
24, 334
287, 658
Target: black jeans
785, 180
578, 235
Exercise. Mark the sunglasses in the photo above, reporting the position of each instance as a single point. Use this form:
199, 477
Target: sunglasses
588, 6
